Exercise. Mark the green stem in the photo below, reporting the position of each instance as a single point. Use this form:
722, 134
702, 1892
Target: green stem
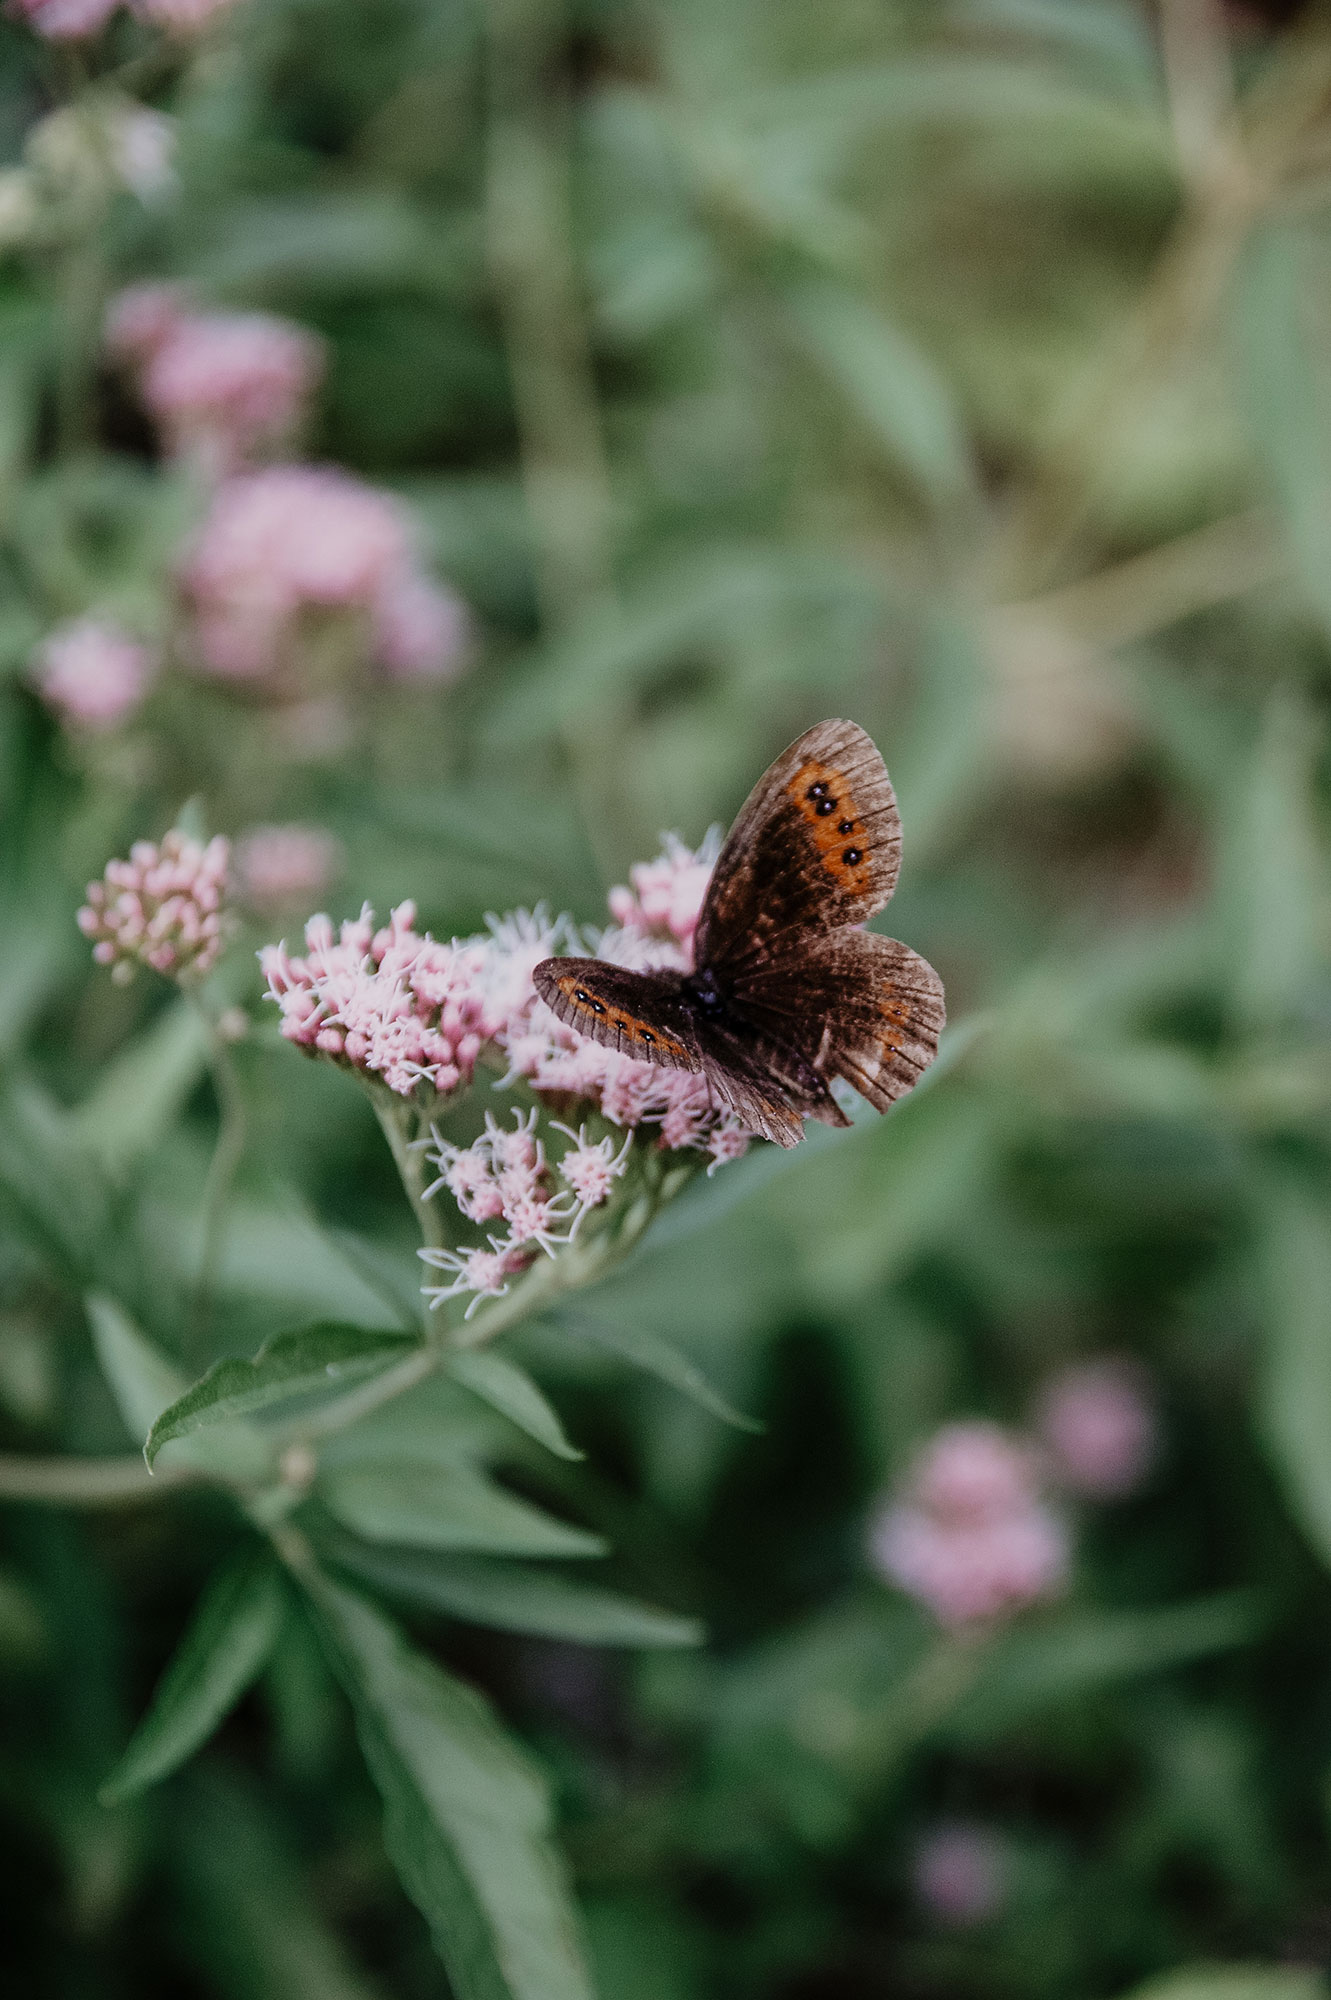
231, 1136
400, 1125
88, 1482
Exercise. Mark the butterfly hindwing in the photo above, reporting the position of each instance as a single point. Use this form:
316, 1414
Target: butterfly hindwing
858, 1006
639, 1014
816, 847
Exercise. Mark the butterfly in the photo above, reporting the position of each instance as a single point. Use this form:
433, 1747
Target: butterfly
787, 990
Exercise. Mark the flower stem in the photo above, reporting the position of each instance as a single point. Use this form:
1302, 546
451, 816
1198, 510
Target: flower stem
231, 1135
88, 1482
400, 1126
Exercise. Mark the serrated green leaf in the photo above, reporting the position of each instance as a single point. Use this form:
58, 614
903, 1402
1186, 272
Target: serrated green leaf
656, 1356
230, 1637
519, 1597
327, 1356
466, 1818
510, 1390
447, 1507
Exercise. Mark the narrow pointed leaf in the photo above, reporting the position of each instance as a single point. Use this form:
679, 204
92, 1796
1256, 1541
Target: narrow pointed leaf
657, 1356
141, 1091
231, 1636
327, 1356
145, 1383
518, 1597
510, 1390
447, 1507
466, 1817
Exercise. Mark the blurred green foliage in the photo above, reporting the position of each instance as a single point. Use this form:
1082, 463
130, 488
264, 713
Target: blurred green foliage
960, 367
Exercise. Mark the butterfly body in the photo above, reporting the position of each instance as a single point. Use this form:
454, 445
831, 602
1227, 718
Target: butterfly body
787, 991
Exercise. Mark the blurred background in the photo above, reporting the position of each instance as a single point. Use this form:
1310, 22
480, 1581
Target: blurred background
451, 441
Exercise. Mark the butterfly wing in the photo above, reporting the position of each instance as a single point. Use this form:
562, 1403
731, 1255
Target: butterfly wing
645, 1015
816, 847
857, 1006
638, 1014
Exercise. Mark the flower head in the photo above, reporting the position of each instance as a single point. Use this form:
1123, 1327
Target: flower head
666, 898
295, 539
164, 907
971, 1537
92, 674
223, 386
1098, 1425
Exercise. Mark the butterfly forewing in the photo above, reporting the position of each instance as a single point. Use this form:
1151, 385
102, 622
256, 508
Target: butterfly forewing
639, 1014
817, 846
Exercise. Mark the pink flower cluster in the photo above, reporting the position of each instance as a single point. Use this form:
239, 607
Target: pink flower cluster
164, 907
667, 894
413, 1012
220, 386
291, 541
504, 1176
75, 20
92, 674
961, 1873
1098, 1425
971, 1538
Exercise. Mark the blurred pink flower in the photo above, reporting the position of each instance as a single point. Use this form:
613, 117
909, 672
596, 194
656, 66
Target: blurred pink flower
181, 17
220, 386
92, 674
1098, 1424
278, 867
295, 537
667, 894
421, 630
225, 385
64, 20
960, 1874
164, 907
140, 318
971, 1538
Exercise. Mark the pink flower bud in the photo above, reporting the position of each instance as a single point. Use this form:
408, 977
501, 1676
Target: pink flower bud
960, 1874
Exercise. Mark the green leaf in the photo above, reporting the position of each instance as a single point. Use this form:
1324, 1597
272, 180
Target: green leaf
145, 1384
143, 1381
1289, 400
447, 1507
231, 1636
657, 1356
510, 1390
1075, 1653
466, 1818
519, 1597
251, 1920
1234, 1982
1296, 1388
890, 384
326, 1356
141, 1091
1273, 880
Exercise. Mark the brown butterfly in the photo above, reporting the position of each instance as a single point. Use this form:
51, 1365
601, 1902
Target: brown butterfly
787, 990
